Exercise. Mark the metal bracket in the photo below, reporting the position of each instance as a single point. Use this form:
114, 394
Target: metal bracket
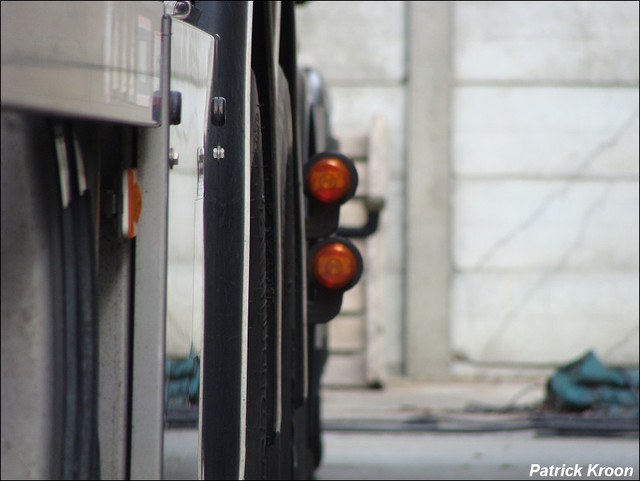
374, 206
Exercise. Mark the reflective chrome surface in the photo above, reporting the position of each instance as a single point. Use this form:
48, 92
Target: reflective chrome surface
192, 57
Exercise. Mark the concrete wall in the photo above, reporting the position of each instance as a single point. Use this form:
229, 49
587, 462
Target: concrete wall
512, 215
544, 165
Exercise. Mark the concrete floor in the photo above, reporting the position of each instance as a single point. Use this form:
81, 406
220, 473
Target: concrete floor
510, 455
389, 453
466, 456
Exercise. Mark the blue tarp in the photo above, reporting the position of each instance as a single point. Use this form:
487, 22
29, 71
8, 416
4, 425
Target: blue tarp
587, 384
182, 381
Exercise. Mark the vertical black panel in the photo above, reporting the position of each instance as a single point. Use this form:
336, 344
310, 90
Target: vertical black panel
224, 246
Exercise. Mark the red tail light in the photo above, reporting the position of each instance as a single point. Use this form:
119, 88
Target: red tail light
336, 265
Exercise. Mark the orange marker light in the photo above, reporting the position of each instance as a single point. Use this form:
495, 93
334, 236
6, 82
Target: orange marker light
335, 266
329, 180
132, 203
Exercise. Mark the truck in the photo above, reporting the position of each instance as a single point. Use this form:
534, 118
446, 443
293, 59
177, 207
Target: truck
171, 193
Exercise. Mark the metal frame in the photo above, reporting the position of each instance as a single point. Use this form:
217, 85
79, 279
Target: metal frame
147, 397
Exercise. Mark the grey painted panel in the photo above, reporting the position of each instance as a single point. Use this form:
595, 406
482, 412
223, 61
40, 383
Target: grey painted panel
32, 401
150, 289
97, 60
114, 286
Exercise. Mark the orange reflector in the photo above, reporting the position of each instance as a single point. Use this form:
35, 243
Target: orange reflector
329, 180
335, 265
132, 203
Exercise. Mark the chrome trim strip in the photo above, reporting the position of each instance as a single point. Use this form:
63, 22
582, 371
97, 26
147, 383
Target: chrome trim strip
245, 274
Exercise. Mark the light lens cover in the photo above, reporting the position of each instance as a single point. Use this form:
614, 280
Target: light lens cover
335, 265
132, 207
329, 180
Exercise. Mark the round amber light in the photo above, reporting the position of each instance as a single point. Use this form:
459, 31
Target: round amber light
334, 265
329, 180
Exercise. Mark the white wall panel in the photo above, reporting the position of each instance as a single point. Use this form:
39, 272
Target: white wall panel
354, 41
545, 316
545, 131
354, 107
524, 225
546, 41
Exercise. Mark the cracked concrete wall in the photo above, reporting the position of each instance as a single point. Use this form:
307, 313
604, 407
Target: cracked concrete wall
544, 183
543, 172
